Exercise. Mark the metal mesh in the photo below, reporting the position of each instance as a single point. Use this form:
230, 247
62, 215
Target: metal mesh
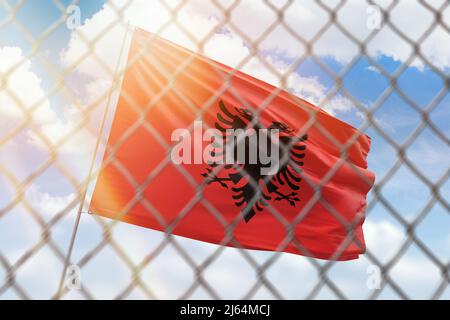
192, 269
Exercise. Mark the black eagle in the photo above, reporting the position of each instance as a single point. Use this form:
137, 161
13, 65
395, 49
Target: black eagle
250, 188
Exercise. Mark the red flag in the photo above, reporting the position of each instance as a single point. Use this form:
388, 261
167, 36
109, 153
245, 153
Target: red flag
311, 202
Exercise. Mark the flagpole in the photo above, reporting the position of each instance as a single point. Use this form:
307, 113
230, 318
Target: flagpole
91, 167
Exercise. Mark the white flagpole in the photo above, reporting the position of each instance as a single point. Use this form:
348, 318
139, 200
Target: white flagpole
89, 177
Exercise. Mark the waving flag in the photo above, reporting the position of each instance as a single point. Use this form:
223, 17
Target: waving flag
296, 181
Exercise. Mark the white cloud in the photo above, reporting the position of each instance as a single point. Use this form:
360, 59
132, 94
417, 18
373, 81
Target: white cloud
306, 18
46, 204
40, 273
231, 276
383, 238
227, 47
373, 69
77, 141
21, 90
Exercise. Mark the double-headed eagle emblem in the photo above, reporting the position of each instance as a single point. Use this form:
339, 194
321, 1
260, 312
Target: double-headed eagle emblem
250, 188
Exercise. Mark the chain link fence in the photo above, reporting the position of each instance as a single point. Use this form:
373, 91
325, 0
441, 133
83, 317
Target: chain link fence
108, 259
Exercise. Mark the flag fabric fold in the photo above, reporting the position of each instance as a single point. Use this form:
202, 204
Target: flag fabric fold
312, 204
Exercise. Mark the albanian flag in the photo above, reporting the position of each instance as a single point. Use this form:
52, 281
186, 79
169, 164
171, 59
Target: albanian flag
295, 181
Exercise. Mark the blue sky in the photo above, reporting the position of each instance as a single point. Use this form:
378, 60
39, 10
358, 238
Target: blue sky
405, 192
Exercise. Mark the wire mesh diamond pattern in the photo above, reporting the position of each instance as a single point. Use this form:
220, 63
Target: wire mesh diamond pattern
201, 272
